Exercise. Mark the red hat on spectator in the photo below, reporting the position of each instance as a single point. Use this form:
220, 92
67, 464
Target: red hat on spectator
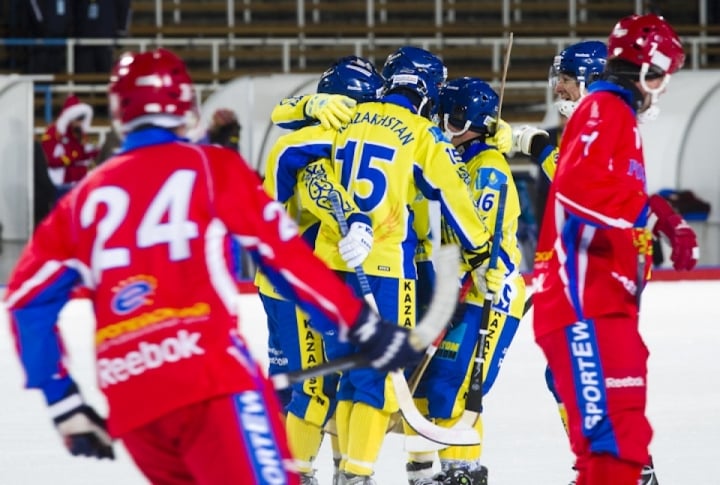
73, 109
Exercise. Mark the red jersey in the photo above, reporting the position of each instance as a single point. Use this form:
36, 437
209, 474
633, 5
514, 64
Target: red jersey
149, 234
594, 251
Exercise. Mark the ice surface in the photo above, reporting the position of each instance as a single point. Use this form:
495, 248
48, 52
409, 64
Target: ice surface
524, 441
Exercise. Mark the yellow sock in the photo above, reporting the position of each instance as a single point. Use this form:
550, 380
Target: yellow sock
461, 453
367, 433
342, 425
563, 415
337, 456
304, 439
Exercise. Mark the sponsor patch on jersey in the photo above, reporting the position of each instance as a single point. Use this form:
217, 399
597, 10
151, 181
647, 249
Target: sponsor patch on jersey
147, 356
450, 345
437, 134
491, 178
622, 382
123, 330
133, 293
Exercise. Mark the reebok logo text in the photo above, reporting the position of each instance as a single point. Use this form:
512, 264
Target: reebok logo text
624, 382
148, 356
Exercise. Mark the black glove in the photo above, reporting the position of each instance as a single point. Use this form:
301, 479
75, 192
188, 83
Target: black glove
384, 343
83, 431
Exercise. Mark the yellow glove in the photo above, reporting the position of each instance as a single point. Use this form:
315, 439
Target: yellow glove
503, 137
490, 279
331, 110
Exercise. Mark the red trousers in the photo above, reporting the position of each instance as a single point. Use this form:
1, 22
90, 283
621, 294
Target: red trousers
600, 372
238, 439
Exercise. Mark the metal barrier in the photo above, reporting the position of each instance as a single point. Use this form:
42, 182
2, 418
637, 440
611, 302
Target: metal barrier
360, 45
289, 55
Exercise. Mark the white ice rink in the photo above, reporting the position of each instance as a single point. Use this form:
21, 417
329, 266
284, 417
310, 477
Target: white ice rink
524, 441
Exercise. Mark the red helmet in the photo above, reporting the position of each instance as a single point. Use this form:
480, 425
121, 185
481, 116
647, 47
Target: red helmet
646, 39
151, 88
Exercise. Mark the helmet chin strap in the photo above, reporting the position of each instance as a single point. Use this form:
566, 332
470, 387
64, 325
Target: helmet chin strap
449, 133
422, 105
652, 111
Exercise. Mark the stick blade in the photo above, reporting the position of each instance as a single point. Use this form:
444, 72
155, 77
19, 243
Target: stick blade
455, 436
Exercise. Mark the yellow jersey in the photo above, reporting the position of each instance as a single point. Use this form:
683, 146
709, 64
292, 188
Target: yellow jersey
386, 158
488, 170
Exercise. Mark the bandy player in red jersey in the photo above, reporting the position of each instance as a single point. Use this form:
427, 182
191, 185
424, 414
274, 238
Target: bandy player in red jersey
149, 234
593, 255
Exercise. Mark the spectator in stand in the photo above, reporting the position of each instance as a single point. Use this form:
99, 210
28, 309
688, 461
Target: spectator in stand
68, 155
98, 19
49, 19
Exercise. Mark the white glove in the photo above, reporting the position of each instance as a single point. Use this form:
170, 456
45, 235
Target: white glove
356, 245
331, 110
523, 136
503, 137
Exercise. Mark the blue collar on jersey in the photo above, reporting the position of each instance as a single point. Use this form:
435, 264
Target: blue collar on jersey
609, 86
469, 150
399, 100
149, 136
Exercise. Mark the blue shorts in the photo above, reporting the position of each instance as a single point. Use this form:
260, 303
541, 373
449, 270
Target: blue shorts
396, 301
446, 379
294, 345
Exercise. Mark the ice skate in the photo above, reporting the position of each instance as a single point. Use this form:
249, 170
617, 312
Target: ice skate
434, 480
308, 479
352, 479
648, 476
462, 476
420, 473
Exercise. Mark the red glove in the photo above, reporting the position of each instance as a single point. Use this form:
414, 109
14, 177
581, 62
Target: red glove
685, 251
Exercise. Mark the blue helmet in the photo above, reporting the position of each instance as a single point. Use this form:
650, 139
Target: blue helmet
584, 61
354, 77
469, 103
420, 82
414, 57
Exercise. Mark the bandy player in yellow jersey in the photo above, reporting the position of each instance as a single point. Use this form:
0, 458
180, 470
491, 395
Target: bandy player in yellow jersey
409, 57
468, 113
312, 402
387, 156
